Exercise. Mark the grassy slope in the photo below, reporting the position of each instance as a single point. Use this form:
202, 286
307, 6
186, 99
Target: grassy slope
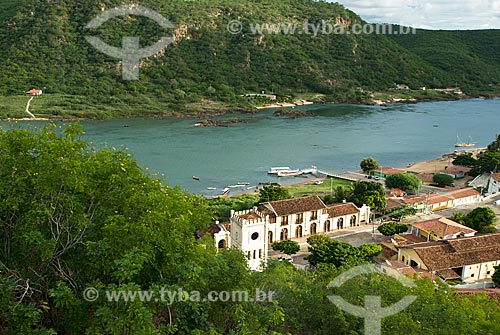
208, 68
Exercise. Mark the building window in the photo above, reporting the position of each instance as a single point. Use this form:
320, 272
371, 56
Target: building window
472, 275
254, 236
284, 220
314, 215
327, 226
254, 254
353, 220
249, 255
272, 219
260, 253
298, 231
403, 259
300, 218
488, 272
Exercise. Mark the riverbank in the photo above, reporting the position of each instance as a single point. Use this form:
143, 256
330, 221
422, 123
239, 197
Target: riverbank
59, 107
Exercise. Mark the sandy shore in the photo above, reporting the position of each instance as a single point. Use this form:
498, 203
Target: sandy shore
287, 104
438, 164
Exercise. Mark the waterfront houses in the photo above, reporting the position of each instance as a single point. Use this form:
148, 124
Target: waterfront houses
464, 260
253, 230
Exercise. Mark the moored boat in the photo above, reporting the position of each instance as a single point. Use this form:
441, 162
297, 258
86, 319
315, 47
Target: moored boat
276, 170
291, 173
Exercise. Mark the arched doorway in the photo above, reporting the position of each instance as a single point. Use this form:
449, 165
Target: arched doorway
313, 228
222, 244
327, 226
340, 223
298, 231
270, 237
354, 220
284, 234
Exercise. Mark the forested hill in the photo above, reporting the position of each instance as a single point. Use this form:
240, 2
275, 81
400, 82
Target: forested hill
43, 45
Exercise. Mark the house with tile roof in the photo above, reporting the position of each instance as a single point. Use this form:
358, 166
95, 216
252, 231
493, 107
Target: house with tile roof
34, 92
465, 259
220, 232
456, 171
384, 172
440, 229
487, 183
253, 230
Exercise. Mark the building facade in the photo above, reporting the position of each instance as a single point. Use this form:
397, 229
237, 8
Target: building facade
253, 231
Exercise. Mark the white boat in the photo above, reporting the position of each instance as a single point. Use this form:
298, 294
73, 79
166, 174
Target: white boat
291, 173
275, 170
311, 170
243, 183
211, 188
461, 144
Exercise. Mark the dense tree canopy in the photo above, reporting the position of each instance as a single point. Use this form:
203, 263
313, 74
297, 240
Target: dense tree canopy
370, 193
405, 181
288, 247
368, 164
391, 228
273, 193
443, 179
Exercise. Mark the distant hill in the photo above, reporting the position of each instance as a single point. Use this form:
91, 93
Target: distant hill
43, 46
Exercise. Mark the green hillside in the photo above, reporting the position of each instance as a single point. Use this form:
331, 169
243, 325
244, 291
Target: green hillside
207, 68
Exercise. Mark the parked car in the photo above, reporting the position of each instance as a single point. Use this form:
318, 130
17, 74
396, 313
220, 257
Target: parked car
286, 259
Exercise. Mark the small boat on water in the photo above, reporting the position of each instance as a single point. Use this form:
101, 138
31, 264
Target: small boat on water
211, 188
243, 183
291, 173
275, 170
311, 170
196, 178
461, 144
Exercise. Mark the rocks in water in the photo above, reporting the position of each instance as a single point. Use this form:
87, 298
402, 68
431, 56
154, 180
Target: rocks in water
217, 123
292, 113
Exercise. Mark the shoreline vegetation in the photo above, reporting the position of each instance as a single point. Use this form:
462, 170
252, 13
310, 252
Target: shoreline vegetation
59, 107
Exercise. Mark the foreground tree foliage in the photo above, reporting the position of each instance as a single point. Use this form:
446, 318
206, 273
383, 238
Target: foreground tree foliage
72, 217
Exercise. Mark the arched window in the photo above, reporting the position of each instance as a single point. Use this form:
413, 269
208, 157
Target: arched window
340, 223
284, 234
298, 231
270, 237
222, 244
354, 220
327, 226
313, 229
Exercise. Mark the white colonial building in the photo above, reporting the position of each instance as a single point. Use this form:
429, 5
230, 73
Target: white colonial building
253, 231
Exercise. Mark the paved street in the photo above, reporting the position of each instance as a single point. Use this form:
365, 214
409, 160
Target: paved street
355, 236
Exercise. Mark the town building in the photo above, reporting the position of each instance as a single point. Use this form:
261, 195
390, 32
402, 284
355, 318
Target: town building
384, 172
440, 229
220, 232
34, 92
456, 171
253, 230
467, 259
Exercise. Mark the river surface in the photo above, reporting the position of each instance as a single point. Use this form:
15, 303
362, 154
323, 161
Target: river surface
335, 139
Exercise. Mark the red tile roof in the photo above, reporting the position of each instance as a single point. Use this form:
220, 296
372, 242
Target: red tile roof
456, 169
34, 91
426, 177
342, 209
437, 199
393, 203
456, 253
496, 176
297, 205
463, 193
413, 199
442, 227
